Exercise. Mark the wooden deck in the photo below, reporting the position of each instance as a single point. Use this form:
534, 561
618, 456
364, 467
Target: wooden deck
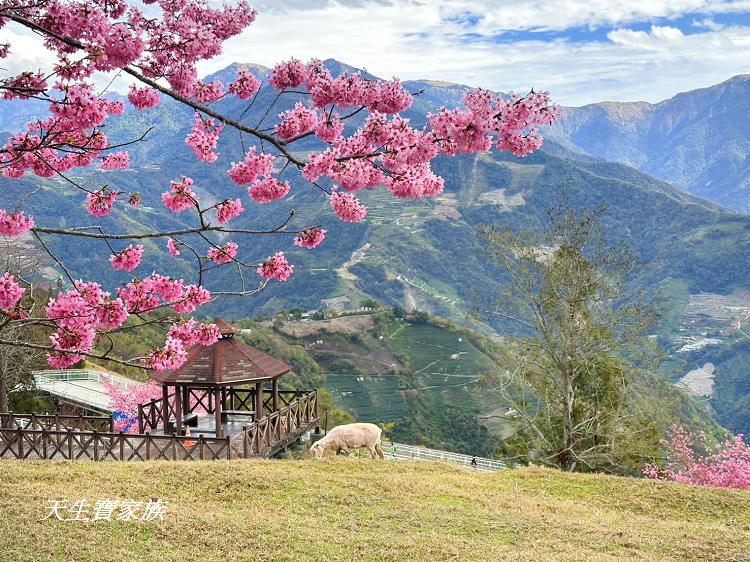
31, 436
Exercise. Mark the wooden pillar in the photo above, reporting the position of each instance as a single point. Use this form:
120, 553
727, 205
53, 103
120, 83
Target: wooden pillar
185, 400
223, 398
217, 409
165, 406
275, 395
178, 409
259, 400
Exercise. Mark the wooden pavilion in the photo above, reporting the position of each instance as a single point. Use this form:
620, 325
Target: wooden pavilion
218, 385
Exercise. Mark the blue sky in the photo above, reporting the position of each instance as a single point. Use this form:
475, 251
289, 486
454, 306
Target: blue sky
582, 51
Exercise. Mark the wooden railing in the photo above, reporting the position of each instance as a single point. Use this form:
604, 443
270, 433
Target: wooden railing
33, 436
58, 422
102, 446
150, 414
271, 433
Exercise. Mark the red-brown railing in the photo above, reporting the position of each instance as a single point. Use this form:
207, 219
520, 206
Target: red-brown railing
11, 420
102, 446
266, 436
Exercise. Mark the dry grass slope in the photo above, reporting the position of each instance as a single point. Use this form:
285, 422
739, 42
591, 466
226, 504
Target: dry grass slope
352, 509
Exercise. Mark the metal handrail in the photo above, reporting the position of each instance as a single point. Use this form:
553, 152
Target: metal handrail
65, 383
411, 452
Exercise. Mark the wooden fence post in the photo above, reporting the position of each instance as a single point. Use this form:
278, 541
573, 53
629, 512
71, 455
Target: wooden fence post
244, 441
148, 445
229, 448
201, 441
20, 443
11, 419
96, 446
44, 443
140, 419
122, 445
33, 420
70, 444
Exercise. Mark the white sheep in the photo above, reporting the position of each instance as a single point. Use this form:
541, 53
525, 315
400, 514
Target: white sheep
343, 438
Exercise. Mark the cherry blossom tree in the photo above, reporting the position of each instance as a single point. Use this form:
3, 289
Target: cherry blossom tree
725, 465
157, 45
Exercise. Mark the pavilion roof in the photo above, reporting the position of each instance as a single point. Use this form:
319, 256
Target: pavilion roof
227, 362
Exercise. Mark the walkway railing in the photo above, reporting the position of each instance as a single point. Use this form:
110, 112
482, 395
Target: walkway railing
399, 451
82, 386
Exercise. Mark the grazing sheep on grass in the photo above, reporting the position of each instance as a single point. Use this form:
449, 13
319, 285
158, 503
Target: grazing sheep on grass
343, 438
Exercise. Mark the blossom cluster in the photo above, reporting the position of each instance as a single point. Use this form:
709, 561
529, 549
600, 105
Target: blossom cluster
224, 254
229, 209
310, 238
14, 224
725, 465
276, 267
78, 314
128, 259
100, 202
10, 291
180, 195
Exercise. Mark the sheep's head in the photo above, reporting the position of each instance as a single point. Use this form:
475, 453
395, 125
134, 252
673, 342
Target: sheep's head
317, 450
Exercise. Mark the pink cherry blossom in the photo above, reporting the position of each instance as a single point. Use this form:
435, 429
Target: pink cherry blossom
143, 98
167, 288
276, 267
251, 168
288, 74
139, 296
180, 196
725, 465
228, 210
10, 292
116, 161
14, 224
347, 207
128, 259
126, 400
268, 189
246, 85
223, 255
329, 129
207, 93
171, 356
193, 297
100, 203
310, 238
296, 122
204, 138
192, 332
172, 246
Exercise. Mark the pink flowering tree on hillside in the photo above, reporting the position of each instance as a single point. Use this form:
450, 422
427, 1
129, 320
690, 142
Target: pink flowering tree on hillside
726, 464
157, 44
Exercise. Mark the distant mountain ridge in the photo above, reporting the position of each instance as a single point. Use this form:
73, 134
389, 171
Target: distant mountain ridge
698, 140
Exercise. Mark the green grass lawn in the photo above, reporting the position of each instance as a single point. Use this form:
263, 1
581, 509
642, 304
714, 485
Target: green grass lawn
356, 509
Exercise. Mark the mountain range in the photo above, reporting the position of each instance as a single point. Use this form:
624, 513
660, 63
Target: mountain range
426, 254
699, 141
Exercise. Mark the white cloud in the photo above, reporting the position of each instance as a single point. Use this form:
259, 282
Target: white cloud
428, 39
